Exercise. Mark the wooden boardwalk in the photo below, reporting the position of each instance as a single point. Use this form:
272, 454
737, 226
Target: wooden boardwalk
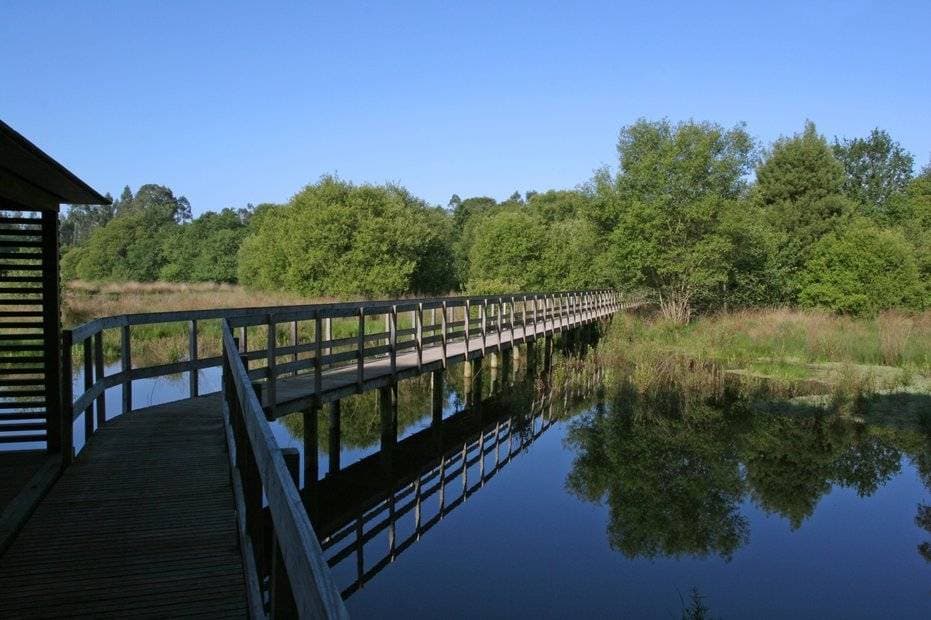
151, 519
141, 524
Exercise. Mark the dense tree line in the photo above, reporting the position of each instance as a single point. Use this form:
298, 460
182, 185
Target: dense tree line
695, 215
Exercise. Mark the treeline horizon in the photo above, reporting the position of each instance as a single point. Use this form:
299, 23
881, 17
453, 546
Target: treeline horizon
697, 216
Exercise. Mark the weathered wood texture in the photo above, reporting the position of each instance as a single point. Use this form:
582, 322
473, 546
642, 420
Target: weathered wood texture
141, 524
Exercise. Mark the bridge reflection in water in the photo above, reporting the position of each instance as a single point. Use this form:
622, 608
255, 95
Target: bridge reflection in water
412, 484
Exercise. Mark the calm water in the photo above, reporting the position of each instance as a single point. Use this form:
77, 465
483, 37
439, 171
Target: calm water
613, 504
593, 499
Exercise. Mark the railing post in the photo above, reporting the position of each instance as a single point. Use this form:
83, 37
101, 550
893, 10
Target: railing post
192, 357
98, 378
360, 351
244, 345
67, 400
272, 362
443, 320
318, 353
483, 313
282, 598
393, 342
294, 345
498, 313
467, 312
523, 317
418, 334
126, 365
88, 384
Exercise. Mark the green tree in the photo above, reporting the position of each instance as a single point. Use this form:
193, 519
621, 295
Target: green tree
336, 238
799, 170
798, 185
506, 254
666, 207
862, 269
876, 168
204, 250
130, 245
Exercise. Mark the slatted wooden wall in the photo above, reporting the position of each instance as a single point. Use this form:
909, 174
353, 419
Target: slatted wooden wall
29, 329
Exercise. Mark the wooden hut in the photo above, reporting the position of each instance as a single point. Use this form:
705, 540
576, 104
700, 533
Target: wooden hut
32, 188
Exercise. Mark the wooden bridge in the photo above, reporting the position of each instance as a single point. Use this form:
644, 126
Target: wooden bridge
162, 510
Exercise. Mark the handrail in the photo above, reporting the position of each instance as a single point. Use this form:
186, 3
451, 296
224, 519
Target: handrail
310, 590
452, 319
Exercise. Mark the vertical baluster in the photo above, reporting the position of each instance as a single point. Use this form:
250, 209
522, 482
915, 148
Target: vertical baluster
418, 334
360, 351
271, 362
67, 399
393, 342
294, 341
126, 366
98, 378
318, 353
443, 327
467, 311
88, 384
483, 312
193, 374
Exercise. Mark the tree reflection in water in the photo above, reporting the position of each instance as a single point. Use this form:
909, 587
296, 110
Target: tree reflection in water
673, 467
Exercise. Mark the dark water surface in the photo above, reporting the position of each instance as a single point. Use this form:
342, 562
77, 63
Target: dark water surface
613, 504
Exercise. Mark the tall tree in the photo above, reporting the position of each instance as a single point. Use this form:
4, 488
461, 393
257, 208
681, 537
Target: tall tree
876, 168
675, 185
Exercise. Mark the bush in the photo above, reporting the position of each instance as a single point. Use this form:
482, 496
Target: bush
336, 238
862, 270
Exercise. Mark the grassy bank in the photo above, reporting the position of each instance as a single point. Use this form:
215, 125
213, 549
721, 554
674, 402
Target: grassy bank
794, 352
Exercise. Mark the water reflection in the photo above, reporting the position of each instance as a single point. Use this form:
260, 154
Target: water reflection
674, 469
448, 447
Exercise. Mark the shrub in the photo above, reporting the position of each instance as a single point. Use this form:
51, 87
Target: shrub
862, 270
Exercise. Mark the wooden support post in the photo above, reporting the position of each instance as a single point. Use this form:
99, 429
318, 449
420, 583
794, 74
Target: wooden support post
511, 320
193, 374
271, 363
437, 396
333, 450
282, 598
88, 384
51, 333
98, 378
66, 422
126, 365
360, 351
311, 470
327, 334
388, 418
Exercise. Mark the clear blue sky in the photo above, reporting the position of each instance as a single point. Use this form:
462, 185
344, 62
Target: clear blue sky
230, 103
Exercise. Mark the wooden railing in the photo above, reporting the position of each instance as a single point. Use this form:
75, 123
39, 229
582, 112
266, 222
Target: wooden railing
292, 576
315, 338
